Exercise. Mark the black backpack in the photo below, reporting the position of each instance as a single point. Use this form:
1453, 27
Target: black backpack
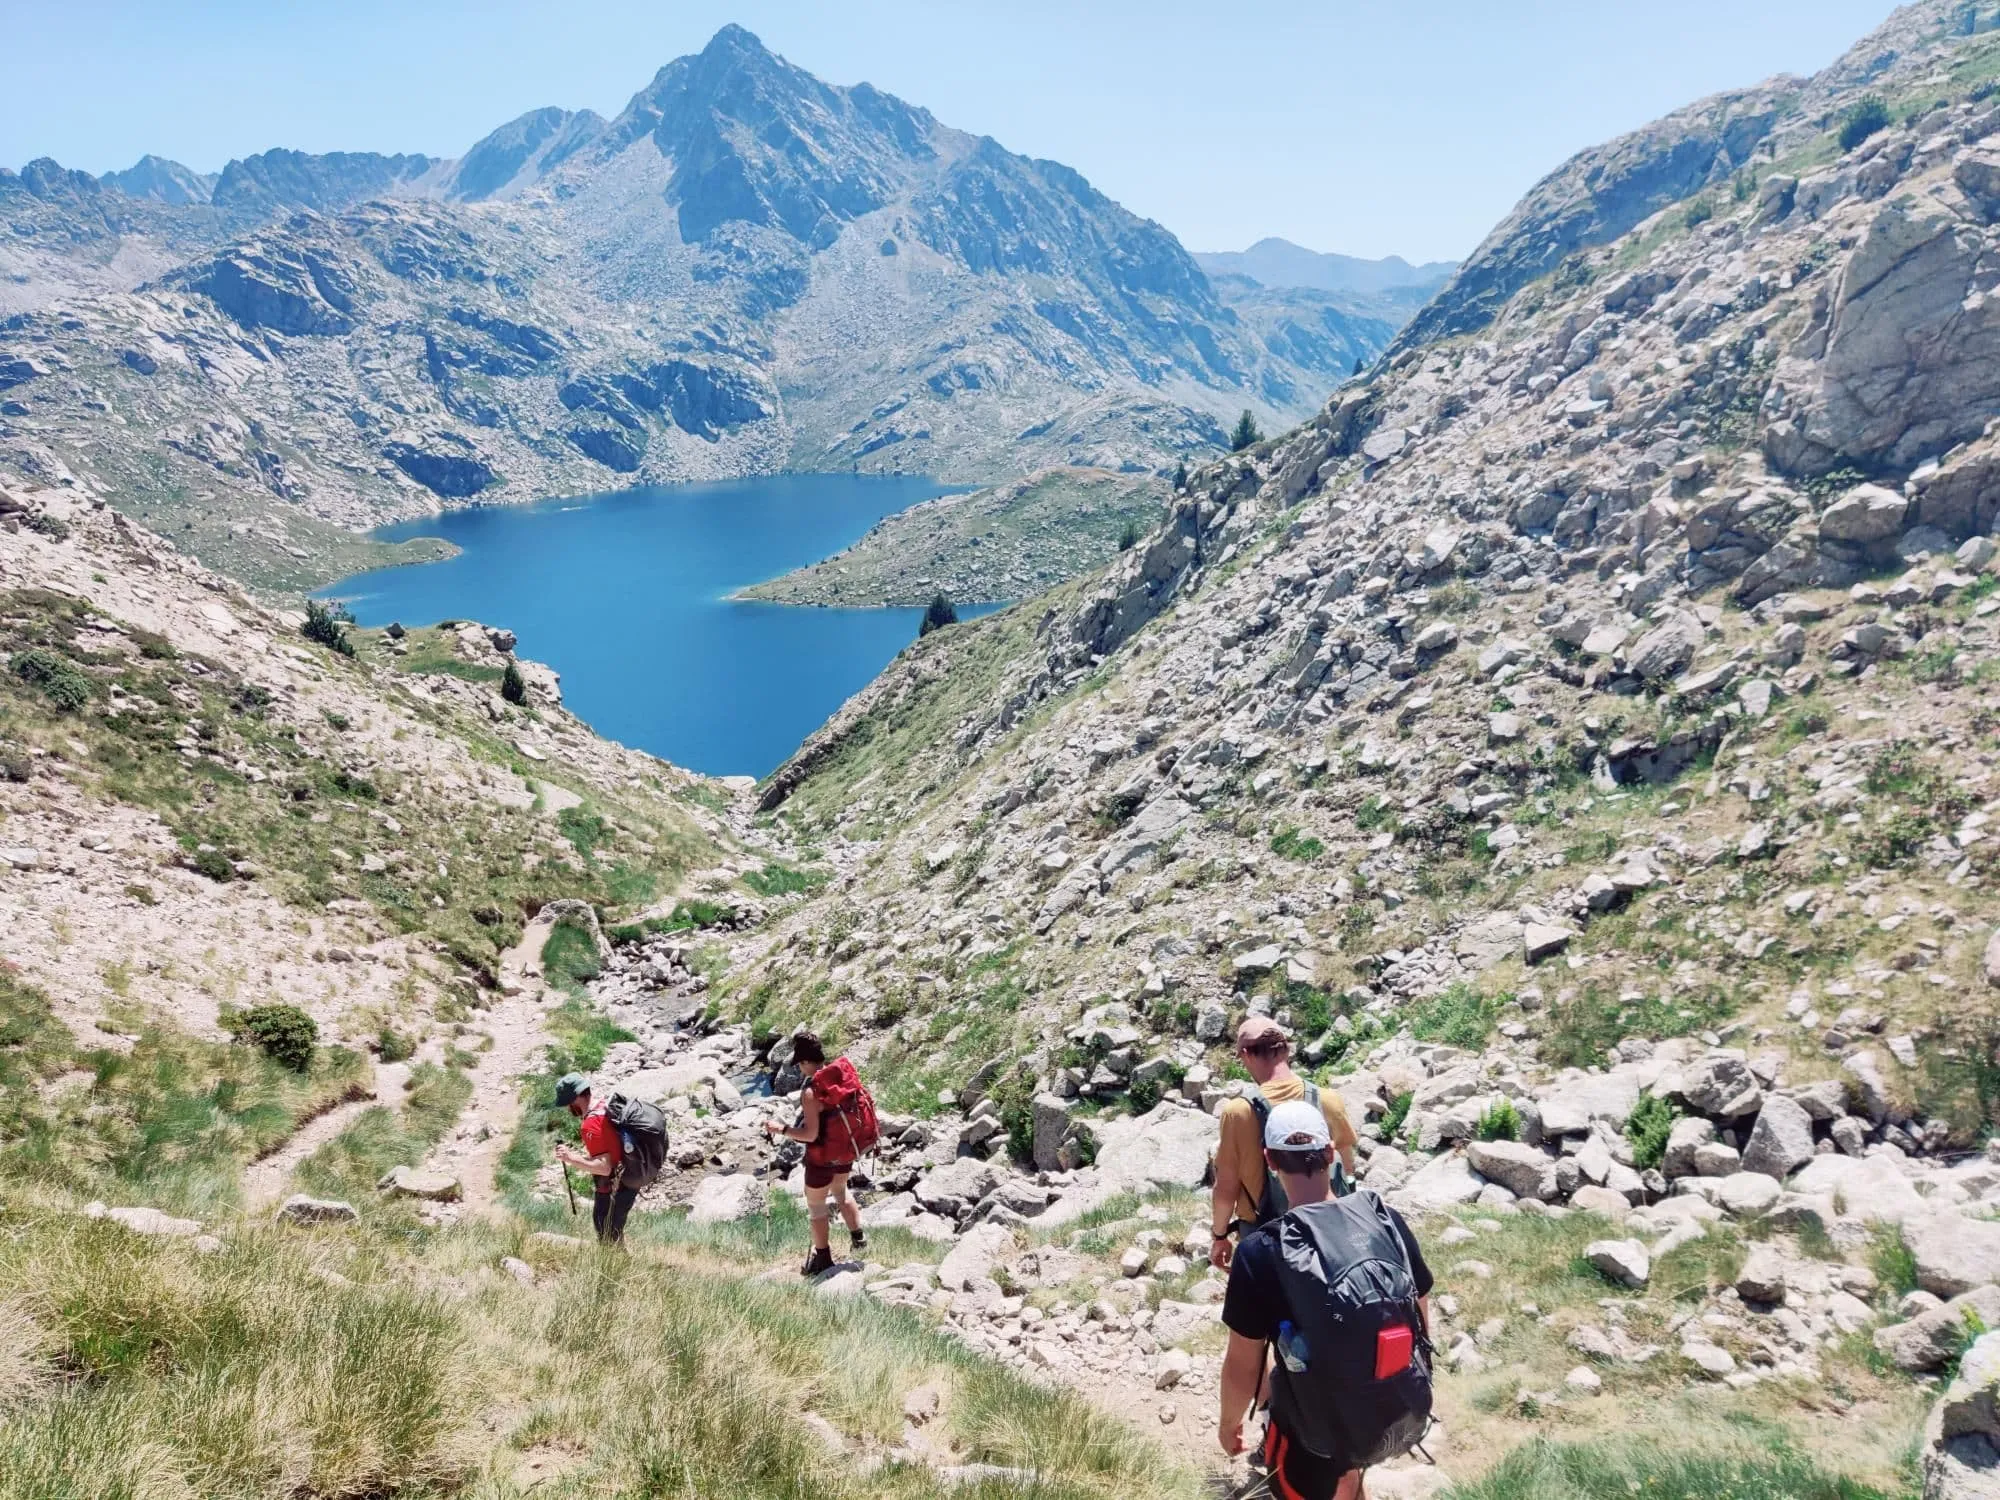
642, 1137
1352, 1379
1271, 1202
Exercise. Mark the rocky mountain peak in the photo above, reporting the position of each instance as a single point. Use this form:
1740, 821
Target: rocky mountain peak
162, 181
756, 140
523, 149
325, 182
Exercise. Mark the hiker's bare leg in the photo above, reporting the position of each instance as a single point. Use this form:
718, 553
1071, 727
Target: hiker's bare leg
819, 1215
850, 1212
1350, 1487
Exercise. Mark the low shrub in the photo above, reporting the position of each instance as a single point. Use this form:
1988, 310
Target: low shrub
513, 686
326, 627
66, 685
1499, 1122
1290, 843
1647, 1128
1396, 1114
1867, 118
284, 1033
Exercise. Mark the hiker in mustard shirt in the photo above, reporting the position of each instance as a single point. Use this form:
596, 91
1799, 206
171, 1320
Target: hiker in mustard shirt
1241, 1197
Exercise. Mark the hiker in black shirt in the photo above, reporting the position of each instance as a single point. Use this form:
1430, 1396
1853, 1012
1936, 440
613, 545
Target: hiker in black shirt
1255, 1310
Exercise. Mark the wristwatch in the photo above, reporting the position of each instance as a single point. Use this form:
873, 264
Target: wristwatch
1222, 1236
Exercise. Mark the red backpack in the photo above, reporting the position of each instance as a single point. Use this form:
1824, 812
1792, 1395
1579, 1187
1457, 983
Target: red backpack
848, 1129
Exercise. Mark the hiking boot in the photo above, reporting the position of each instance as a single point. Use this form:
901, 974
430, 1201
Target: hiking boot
857, 1240
818, 1261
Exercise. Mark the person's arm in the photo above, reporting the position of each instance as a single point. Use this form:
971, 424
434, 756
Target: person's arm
1221, 1210
807, 1129
599, 1165
1340, 1128
1424, 1307
1242, 1375
1222, 1199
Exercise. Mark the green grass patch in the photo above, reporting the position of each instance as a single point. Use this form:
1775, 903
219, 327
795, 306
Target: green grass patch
783, 880
1543, 1469
381, 1138
1459, 1017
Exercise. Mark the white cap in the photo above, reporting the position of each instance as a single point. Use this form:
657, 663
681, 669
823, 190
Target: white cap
1296, 1126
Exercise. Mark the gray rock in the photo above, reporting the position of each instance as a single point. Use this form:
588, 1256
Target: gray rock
726, 1198
1052, 1121
972, 1259
1540, 941
409, 1182
1868, 513
1781, 1141
1930, 1339
1623, 1261
1747, 1195
299, 1209
1687, 1136
956, 1185
1762, 1278
1525, 1171
1667, 648
1953, 1254
1720, 1083
1971, 1404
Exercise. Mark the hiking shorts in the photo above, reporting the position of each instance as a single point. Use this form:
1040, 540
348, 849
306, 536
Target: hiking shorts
1296, 1472
821, 1174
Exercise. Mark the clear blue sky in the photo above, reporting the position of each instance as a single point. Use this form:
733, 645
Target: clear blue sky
1366, 126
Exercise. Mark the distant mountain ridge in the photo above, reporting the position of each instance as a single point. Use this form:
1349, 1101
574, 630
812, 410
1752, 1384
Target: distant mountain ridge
1275, 262
747, 269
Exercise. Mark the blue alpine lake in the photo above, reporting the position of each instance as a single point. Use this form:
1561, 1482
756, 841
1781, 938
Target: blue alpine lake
626, 595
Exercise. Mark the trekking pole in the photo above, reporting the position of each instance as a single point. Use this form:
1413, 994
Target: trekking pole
568, 1188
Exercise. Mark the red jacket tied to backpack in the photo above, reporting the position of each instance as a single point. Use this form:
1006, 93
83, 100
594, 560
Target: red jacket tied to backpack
848, 1129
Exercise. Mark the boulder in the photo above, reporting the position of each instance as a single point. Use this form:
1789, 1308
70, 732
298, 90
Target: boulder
972, 1259
1762, 1278
1864, 515
1934, 1337
1747, 1195
1869, 1188
1972, 1401
299, 1209
146, 1221
956, 1185
1720, 1083
1540, 940
1781, 1141
1666, 649
1052, 1120
1953, 1254
1600, 1200
1443, 1182
1686, 1137
726, 1198
1572, 1105
1525, 1171
410, 1182
1623, 1261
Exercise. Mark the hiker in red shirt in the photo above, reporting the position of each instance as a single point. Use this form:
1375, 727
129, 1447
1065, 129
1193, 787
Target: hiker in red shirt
601, 1157
837, 1123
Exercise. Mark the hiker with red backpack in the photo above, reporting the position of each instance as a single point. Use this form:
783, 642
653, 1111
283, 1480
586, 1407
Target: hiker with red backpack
1337, 1288
837, 1123
624, 1148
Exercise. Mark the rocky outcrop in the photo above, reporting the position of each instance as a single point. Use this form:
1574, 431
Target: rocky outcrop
274, 286
442, 462
1907, 361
